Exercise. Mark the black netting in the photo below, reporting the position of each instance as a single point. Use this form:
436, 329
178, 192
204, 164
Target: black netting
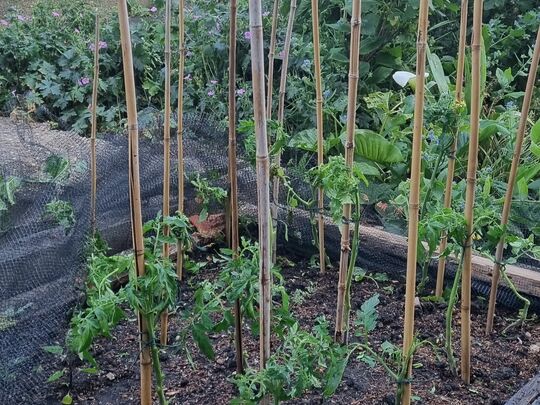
42, 263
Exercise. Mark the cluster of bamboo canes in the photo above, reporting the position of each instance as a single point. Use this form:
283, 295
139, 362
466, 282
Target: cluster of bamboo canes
267, 212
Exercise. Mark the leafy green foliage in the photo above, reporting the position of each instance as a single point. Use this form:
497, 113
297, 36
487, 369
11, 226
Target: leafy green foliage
303, 362
206, 194
8, 187
62, 213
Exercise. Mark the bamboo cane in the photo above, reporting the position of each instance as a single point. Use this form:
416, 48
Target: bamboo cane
512, 180
180, 130
470, 193
166, 152
93, 158
349, 154
452, 155
414, 193
263, 176
135, 194
271, 55
320, 128
281, 119
233, 180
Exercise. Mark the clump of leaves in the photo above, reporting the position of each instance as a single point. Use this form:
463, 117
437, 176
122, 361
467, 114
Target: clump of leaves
305, 361
8, 187
62, 213
206, 194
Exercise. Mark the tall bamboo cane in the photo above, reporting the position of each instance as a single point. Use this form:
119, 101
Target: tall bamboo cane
452, 155
263, 176
135, 194
320, 128
93, 158
512, 180
281, 119
233, 180
472, 164
166, 152
414, 193
349, 154
180, 130
271, 55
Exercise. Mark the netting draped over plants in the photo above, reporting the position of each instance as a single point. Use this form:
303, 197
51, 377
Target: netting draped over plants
44, 230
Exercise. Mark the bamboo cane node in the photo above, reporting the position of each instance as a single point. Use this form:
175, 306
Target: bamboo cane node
354, 75
421, 44
471, 181
451, 155
475, 47
414, 206
356, 22
466, 307
349, 145
259, 26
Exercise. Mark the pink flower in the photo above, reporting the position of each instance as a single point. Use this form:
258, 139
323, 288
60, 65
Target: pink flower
247, 35
101, 45
83, 81
241, 92
211, 93
4, 23
213, 81
281, 54
152, 9
55, 14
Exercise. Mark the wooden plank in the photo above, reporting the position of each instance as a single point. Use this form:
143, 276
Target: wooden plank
529, 394
526, 280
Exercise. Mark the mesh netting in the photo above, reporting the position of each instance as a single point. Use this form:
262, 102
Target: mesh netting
42, 261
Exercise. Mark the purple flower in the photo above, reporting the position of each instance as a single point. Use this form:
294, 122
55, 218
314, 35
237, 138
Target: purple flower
241, 92
22, 18
188, 54
281, 54
247, 35
83, 81
55, 14
77, 31
187, 77
152, 9
4, 23
101, 45
211, 93
266, 14
213, 81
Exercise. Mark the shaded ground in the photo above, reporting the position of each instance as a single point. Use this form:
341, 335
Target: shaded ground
501, 364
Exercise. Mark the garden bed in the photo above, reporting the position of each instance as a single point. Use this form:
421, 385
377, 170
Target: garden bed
501, 364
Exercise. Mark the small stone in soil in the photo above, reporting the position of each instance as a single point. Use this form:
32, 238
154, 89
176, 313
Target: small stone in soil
534, 349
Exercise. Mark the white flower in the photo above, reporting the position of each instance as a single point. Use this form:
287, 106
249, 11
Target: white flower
402, 78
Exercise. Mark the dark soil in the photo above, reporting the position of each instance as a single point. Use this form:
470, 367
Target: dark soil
500, 364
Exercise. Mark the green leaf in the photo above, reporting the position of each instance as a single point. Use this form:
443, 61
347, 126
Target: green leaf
56, 375
334, 374
535, 139
305, 140
203, 342
372, 146
53, 349
67, 400
437, 71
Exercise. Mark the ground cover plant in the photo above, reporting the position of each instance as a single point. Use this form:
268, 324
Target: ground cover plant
357, 137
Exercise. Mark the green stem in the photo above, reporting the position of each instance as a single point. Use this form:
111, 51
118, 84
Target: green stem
352, 263
433, 175
156, 365
449, 311
526, 303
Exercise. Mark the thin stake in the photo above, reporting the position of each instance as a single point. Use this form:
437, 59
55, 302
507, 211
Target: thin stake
271, 55
166, 152
180, 130
349, 155
135, 194
281, 119
452, 155
512, 181
472, 164
93, 133
263, 178
233, 180
414, 193
320, 128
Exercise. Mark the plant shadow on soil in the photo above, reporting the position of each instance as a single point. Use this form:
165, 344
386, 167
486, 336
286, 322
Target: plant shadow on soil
500, 364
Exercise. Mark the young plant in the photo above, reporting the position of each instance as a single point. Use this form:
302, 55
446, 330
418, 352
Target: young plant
342, 186
8, 187
206, 194
62, 213
305, 361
